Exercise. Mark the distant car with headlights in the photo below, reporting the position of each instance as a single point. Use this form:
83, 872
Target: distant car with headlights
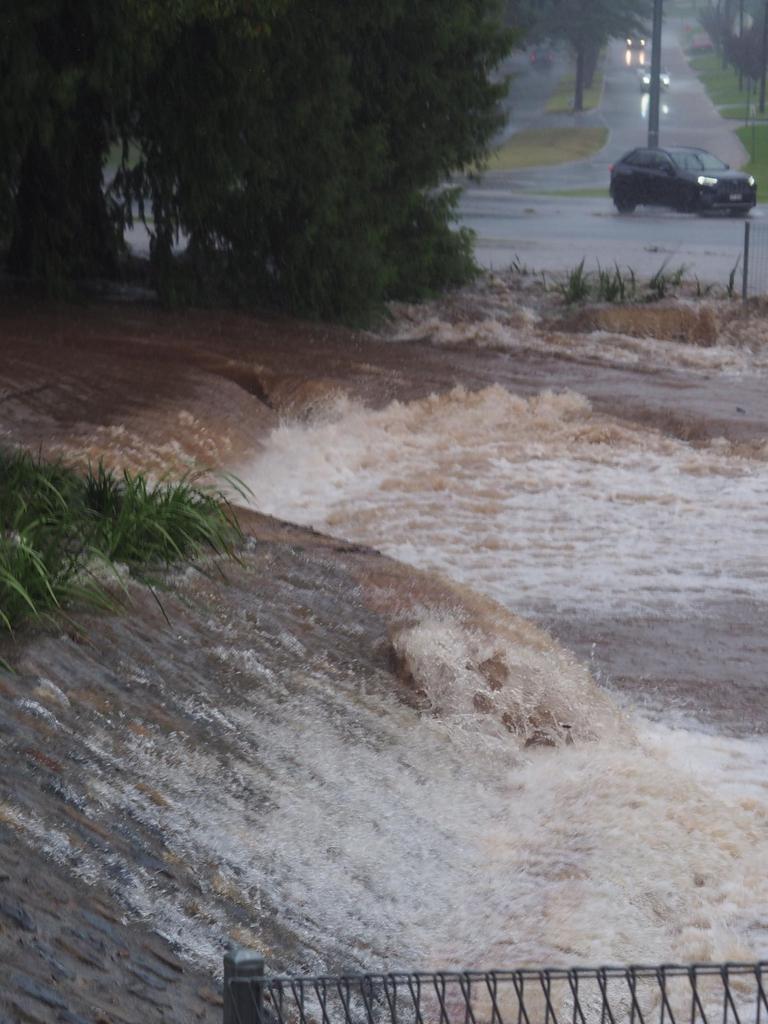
645, 80
635, 52
686, 179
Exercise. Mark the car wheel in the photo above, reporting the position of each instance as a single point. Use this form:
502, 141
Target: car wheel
623, 203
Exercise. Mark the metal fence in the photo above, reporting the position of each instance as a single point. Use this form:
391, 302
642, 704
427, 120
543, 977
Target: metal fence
754, 265
728, 993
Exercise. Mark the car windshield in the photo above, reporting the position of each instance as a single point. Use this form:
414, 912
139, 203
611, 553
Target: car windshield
698, 161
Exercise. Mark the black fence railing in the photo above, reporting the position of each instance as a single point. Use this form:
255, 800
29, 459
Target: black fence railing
731, 993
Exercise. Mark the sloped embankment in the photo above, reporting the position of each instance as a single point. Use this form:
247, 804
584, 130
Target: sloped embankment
141, 755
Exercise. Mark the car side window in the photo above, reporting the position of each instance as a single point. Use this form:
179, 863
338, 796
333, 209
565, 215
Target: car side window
639, 158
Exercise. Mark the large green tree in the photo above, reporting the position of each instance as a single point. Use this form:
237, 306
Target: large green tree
586, 25
299, 149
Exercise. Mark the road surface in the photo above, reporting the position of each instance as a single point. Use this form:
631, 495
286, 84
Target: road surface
553, 234
515, 221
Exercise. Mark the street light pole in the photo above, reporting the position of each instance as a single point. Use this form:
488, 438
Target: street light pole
654, 99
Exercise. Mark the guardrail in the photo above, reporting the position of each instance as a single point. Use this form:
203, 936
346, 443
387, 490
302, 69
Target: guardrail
728, 993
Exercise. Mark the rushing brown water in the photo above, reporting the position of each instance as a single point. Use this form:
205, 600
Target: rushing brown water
346, 761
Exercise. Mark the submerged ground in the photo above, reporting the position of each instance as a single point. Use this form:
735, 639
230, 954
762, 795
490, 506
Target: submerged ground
341, 759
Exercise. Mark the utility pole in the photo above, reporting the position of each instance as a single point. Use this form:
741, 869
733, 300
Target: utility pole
655, 95
741, 45
763, 58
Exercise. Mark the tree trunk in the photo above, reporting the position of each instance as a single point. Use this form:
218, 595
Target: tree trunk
578, 92
591, 56
61, 225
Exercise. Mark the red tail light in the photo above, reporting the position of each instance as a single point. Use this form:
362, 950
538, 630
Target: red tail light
610, 168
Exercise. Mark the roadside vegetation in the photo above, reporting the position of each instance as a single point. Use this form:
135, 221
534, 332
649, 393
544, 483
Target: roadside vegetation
622, 285
561, 100
542, 147
755, 140
722, 85
62, 533
294, 152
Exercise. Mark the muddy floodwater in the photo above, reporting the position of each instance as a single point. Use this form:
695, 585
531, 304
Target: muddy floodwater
488, 686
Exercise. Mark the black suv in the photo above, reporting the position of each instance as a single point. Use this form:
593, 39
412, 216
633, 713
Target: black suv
690, 180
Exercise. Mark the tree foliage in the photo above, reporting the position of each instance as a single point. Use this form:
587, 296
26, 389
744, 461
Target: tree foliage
299, 149
587, 25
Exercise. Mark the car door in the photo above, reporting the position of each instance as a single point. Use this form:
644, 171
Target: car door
640, 181
666, 181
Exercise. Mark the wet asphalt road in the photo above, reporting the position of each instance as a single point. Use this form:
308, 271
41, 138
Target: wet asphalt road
515, 222
553, 234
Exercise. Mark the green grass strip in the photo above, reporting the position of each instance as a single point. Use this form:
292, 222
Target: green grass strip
545, 147
561, 100
722, 84
755, 142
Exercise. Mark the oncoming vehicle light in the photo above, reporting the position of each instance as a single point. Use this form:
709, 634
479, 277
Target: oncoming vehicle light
704, 179
751, 181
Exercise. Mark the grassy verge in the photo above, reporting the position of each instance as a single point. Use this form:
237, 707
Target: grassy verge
722, 84
739, 112
545, 147
57, 527
756, 144
723, 89
561, 100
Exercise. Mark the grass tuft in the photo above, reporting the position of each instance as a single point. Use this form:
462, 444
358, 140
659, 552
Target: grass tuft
620, 286
57, 525
576, 287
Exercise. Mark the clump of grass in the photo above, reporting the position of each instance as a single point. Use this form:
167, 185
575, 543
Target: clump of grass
56, 525
606, 285
138, 524
703, 290
619, 285
576, 287
660, 285
613, 286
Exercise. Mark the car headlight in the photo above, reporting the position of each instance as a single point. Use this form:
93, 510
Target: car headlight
703, 179
646, 79
751, 181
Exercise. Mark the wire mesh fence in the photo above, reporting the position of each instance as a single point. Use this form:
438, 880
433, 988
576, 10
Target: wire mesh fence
755, 260
667, 994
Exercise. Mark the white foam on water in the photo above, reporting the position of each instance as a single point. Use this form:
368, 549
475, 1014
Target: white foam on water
538, 502
383, 838
616, 849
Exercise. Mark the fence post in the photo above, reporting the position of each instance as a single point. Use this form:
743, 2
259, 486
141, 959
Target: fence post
745, 264
243, 992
